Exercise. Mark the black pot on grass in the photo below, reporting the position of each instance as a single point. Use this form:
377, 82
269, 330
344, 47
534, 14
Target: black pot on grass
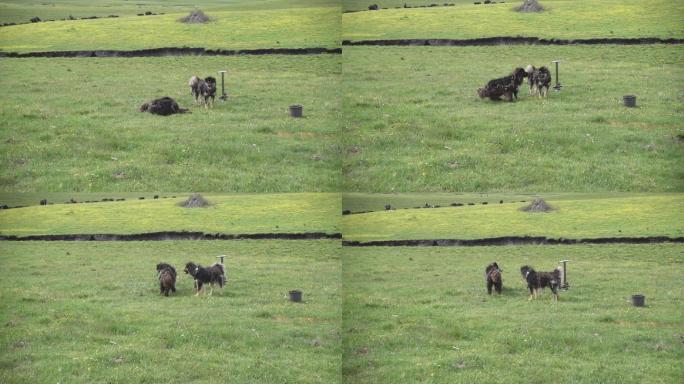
629, 100
296, 110
295, 296
639, 300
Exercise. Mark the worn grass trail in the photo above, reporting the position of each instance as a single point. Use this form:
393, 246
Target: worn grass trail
424, 316
412, 126
75, 125
91, 312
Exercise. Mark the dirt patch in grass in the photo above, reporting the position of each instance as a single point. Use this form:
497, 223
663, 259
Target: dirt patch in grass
530, 6
195, 17
195, 201
538, 205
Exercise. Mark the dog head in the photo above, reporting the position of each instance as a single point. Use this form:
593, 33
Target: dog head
525, 271
529, 69
482, 92
518, 75
211, 84
145, 107
191, 269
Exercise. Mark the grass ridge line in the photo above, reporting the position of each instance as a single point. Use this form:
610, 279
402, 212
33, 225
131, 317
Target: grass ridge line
509, 40
175, 235
512, 240
175, 51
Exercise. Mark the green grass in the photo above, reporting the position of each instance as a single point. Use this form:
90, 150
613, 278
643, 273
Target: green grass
92, 313
413, 127
364, 202
259, 213
20, 11
423, 316
75, 125
622, 216
564, 19
277, 28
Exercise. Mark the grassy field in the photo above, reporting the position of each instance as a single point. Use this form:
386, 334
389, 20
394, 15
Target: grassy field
563, 20
423, 316
622, 216
259, 213
19, 11
76, 127
411, 127
274, 28
364, 202
91, 313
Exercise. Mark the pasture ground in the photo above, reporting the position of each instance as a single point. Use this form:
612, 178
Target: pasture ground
91, 312
411, 126
228, 213
423, 316
577, 19
75, 125
573, 217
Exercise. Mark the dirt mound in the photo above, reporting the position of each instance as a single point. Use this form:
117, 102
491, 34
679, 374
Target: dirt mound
538, 205
530, 6
195, 201
196, 16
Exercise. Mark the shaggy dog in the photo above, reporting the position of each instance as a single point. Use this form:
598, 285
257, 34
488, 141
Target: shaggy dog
538, 79
164, 106
506, 86
202, 275
540, 280
493, 278
167, 278
203, 90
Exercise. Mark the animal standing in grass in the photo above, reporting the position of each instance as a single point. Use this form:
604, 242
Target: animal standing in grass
506, 86
203, 90
202, 275
539, 80
493, 278
540, 280
167, 278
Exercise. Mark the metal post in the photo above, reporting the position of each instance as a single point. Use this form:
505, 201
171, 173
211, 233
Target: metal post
223, 91
221, 257
558, 86
565, 275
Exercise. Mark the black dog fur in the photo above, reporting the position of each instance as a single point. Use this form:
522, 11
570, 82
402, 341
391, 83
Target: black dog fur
202, 275
163, 106
493, 278
540, 280
167, 278
506, 86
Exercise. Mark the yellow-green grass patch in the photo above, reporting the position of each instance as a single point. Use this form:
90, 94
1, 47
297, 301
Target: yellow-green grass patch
228, 213
563, 20
631, 216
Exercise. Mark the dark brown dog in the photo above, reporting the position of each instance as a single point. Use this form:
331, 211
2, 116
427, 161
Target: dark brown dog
167, 278
506, 86
493, 278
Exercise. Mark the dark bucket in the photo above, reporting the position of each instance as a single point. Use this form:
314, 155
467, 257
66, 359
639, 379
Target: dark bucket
296, 110
296, 296
630, 101
638, 300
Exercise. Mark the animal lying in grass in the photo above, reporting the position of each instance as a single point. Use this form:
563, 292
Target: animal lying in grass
167, 278
203, 90
539, 80
163, 106
493, 278
506, 86
203, 275
540, 280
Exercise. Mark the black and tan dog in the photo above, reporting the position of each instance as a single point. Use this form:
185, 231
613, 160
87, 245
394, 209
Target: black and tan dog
203, 90
540, 280
506, 86
539, 80
493, 278
163, 106
203, 275
167, 278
